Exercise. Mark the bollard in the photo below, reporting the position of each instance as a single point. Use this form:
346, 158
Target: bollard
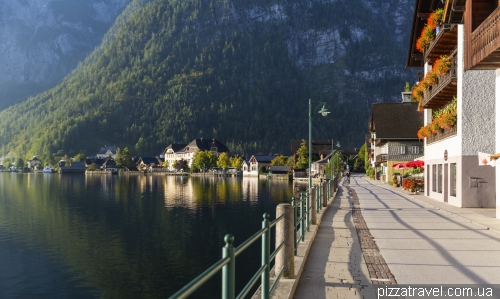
314, 206
324, 198
285, 231
314, 213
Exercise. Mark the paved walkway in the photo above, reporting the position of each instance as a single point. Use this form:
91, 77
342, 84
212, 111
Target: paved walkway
335, 267
420, 240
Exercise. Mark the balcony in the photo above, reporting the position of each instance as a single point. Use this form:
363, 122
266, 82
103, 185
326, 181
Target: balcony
444, 43
442, 92
442, 135
485, 44
381, 158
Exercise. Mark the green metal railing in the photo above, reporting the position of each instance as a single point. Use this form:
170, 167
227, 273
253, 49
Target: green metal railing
228, 266
301, 221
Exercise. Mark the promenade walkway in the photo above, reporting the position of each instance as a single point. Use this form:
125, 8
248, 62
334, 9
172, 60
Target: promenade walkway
377, 234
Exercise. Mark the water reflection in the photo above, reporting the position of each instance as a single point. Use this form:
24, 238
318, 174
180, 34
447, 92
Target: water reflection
125, 236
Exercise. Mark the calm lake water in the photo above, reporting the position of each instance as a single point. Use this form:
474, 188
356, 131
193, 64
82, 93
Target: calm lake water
125, 236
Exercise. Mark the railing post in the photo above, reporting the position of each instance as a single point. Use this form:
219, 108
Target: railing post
325, 199
285, 231
228, 271
294, 205
318, 196
266, 252
314, 208
302, 220
308, 218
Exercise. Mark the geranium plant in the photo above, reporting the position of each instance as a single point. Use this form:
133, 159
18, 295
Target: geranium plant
409, 184
429, 31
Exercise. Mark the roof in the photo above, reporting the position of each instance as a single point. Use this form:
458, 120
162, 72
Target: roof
263, 159
176, 147
110, 162
317, 146
148, 160
206, 145
280, 168
396, 120
95, 160
107, 148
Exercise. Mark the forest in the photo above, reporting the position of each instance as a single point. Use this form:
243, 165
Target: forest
175, 70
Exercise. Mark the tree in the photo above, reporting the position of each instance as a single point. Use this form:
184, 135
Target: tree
20, 163
223, 161
126, 158
360, 160
236, 162
302, 156
181, 165
79, 157
279, 161
119, 158
203, 160
166, 164
365, 156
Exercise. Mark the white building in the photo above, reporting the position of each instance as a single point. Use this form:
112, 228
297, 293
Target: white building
452, 171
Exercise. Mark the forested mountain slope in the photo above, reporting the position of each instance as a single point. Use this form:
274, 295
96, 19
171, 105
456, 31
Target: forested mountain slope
239, 71
41, 41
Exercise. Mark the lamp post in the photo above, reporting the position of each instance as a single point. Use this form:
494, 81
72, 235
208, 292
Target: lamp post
323, 112
333, 157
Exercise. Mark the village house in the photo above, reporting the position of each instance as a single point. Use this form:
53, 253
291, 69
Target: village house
144, 163
457, 92
34, 163
393, 128
176, 152
106, 152
251, 167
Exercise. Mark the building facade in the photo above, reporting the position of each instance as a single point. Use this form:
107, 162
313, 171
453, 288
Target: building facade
452, 171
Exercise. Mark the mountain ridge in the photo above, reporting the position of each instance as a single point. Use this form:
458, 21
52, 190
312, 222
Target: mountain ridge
237, 71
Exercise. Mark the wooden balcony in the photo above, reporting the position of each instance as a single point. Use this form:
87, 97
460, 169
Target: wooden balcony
442, 92
381, 158
485, 44
444, 43
442, 135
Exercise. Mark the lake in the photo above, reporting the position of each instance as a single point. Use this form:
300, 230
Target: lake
127, 235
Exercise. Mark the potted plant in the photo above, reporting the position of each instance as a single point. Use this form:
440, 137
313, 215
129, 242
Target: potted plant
430, 30
409, 184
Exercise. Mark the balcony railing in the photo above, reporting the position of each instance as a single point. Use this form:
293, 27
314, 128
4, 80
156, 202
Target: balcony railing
381, 158
485, 41
443, 90
442, 135
444, 43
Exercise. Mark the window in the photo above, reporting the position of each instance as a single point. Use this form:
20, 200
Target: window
415, 149
453, 179
434, 178
402, 150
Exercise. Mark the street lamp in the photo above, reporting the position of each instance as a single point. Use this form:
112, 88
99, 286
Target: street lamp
333, 157
323, 112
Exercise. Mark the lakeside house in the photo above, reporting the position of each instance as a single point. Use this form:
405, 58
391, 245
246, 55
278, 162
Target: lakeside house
106, 152
34, 163
251, 167
176, 152
461, 69
144, 163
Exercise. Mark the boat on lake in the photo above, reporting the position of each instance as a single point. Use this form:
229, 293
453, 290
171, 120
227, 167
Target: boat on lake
48, 169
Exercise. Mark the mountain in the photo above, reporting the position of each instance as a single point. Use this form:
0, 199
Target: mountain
239, 71
41, 41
